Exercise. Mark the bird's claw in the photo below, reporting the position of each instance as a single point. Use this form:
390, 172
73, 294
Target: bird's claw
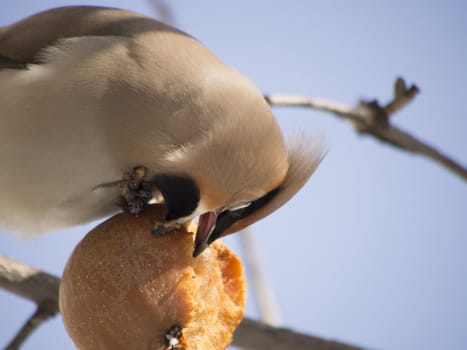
135, 191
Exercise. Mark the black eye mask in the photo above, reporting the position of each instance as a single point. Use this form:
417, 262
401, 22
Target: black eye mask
181, 194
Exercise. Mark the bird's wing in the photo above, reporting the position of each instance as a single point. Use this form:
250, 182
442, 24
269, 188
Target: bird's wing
22, 42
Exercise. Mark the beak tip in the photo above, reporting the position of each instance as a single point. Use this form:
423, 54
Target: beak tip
199, 248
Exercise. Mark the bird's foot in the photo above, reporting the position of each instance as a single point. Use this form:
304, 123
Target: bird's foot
162, 228
135, 191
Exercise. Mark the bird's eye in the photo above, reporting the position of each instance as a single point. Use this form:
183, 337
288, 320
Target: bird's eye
238, 206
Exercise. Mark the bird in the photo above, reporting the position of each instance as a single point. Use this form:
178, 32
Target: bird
104, 109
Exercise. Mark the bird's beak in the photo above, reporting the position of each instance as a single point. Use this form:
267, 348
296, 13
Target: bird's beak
206, 224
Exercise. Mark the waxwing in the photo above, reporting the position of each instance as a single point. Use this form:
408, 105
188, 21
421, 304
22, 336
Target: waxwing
102, 109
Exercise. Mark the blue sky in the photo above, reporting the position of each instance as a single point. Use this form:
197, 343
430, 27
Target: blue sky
372, 250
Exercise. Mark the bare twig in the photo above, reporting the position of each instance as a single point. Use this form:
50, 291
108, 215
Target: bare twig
32, 284
369, 117
254, 335
38, 286
23, 280
268, 309
43, 312
402, 96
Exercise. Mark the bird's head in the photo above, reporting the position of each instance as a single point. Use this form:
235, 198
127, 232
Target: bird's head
237, 171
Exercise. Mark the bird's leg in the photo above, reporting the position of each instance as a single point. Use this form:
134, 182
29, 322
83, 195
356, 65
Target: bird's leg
135, 191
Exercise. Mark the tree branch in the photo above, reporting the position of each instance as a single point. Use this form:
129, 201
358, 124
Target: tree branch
37, 286
369, 117
43, 312
254, 335
42, 288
